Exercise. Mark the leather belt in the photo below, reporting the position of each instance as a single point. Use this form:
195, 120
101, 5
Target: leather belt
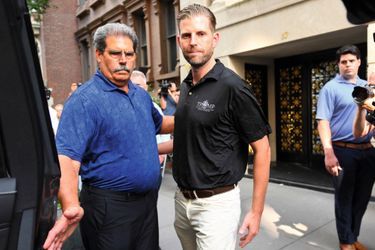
359, 146
205, 193
119, 195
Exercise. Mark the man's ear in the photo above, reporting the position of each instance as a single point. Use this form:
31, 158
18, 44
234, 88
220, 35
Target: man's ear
216, 39
178, 40
98, 55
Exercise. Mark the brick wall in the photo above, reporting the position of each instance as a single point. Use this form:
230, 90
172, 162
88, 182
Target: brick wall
60, 53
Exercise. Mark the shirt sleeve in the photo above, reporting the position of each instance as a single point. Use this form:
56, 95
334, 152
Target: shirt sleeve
158, 119
248, 116
325, 104
76, 128
54, 119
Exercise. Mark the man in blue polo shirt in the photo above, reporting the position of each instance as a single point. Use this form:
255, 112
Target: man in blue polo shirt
107, 134
348, 159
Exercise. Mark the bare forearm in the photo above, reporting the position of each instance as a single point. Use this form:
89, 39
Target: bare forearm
165, 147
325, 134
68, 193
72, 212
174, 97
167, 125
163, 103
324, 130
262, 160
330, 160
360, 125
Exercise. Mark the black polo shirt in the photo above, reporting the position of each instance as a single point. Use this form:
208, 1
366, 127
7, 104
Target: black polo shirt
215, 120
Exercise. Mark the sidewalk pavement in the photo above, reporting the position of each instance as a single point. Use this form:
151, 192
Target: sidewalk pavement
293, 219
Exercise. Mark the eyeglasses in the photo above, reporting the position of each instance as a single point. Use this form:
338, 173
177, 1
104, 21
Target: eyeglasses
117, 54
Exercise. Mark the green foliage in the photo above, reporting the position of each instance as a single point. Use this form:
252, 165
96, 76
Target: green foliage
39, 6
156, 100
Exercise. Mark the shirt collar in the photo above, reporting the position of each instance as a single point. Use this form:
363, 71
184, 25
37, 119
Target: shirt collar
109, 86
341, 79
213, 74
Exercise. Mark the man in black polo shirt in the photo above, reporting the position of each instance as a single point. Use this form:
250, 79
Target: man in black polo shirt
216, 119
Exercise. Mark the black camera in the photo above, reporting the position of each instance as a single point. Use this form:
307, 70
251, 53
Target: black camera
366, 94
164, 86
361, 94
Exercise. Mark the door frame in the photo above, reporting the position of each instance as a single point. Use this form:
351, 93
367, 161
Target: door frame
306, 61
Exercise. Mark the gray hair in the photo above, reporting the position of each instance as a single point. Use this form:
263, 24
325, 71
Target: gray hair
137, 73
113, 29
197, 10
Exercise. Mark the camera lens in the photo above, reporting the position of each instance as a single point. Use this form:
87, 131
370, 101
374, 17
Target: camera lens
360, 94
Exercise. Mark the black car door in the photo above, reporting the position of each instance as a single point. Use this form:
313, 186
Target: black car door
29, 170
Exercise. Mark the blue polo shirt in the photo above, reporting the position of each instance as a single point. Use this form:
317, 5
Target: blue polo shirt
112, 134
336, 105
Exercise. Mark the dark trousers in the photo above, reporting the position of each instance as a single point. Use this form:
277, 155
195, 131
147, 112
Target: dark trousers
119, 221
353, 189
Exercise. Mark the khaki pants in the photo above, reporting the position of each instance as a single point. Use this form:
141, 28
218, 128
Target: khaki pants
208, 223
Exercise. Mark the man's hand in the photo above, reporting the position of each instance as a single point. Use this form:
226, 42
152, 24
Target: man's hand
162, 158
173, 94
63, 228
368, 104
249, 228
262, 159
331, 163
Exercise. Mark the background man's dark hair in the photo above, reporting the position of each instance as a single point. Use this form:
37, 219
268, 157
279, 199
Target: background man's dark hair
348, 49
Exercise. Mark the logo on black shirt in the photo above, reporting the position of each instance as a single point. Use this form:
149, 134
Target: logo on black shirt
205, 106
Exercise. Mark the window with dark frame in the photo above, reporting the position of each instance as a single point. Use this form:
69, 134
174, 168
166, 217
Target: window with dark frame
169, 38
140, 28
85, 60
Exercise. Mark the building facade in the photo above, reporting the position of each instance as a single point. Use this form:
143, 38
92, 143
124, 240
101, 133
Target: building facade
155, 24
60, 57
284, 48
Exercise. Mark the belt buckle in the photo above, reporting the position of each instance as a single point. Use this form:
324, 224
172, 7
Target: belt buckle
188, 194
191, 195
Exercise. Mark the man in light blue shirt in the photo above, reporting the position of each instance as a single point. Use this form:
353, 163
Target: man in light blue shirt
350, 160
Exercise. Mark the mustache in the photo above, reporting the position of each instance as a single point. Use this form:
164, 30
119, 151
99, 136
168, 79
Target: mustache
122, 68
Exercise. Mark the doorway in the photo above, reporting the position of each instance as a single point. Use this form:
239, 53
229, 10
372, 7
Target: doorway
298, 81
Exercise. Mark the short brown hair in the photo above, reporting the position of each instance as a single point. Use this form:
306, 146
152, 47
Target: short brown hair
197, 10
